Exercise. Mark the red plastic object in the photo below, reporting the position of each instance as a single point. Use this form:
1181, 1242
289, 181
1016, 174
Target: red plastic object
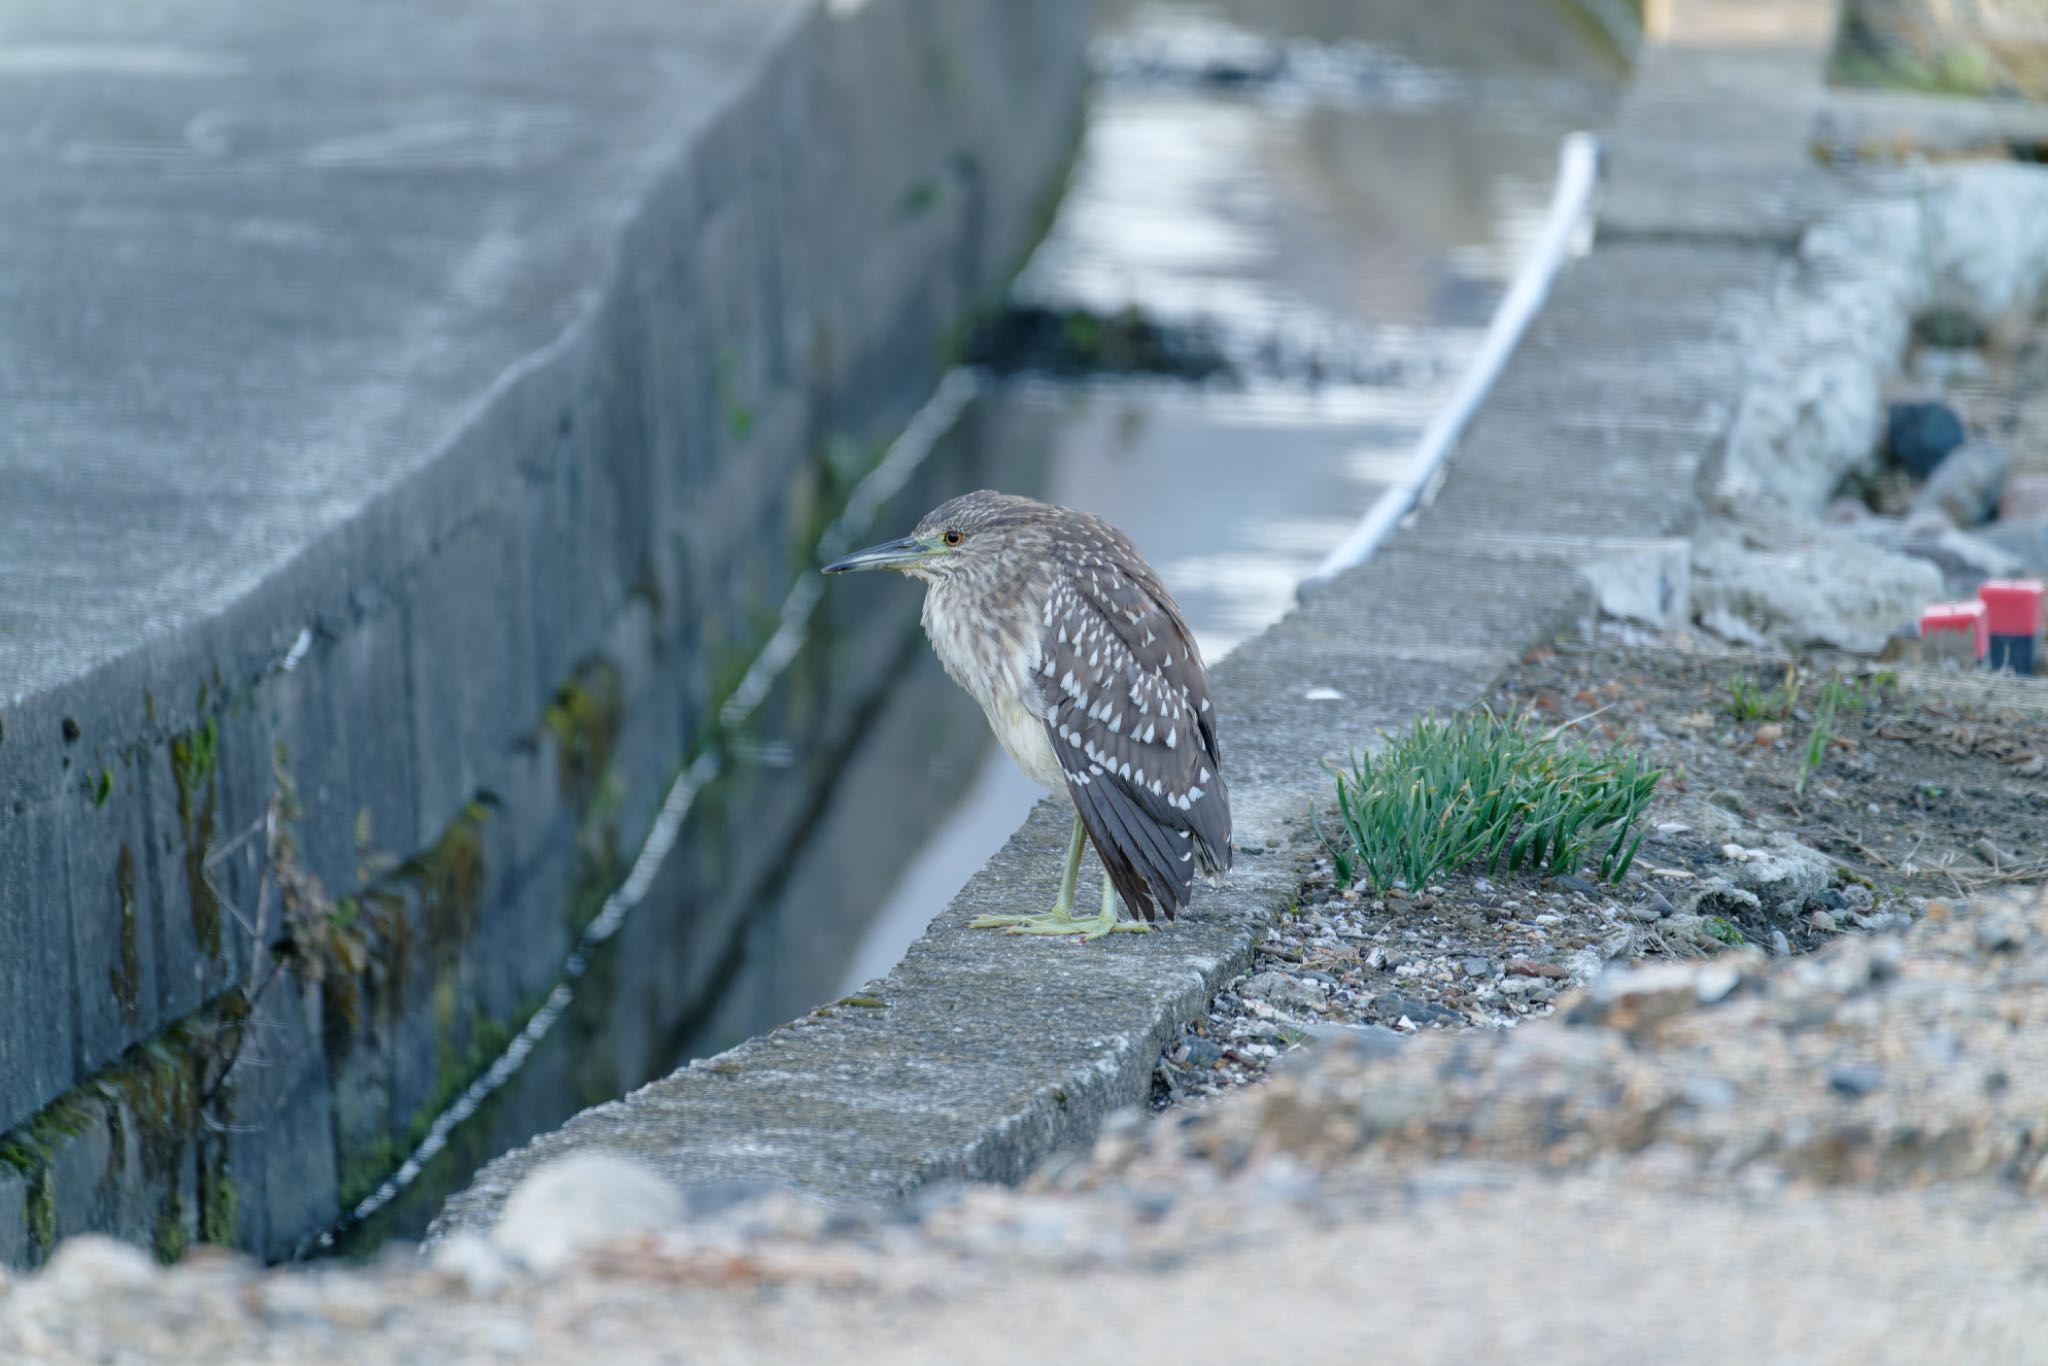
2012, 607
1967, 617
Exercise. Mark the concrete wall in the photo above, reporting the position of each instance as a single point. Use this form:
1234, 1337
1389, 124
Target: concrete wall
451, 478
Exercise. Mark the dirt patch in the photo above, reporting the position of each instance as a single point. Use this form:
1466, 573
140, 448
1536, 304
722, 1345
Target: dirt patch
1803, 800
1923, 784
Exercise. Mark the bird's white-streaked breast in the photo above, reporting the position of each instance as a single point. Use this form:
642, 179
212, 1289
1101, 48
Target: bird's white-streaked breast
1008, 693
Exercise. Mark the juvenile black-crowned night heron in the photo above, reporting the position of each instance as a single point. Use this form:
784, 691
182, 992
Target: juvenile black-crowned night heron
1092, 683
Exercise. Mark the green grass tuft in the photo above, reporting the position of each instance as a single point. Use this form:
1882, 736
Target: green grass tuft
1725, 930
1750, 701
1480, 789
1833, 698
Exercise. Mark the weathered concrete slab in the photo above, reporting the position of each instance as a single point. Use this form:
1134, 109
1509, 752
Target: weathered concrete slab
431, 408
1715, 137
979, 1053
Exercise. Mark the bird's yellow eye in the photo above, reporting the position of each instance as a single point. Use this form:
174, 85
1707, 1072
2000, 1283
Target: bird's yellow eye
954, 538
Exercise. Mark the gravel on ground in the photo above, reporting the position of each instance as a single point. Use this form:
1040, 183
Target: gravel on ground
1923, 789
1826, 1158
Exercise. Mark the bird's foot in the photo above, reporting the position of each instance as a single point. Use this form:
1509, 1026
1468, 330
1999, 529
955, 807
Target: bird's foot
1054, 922
1092, 930
1054, 925
1010, 922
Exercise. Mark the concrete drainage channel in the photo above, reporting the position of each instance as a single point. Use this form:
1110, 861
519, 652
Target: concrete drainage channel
969, 1059
1306, 369
604, 354
975, 1057
507, 861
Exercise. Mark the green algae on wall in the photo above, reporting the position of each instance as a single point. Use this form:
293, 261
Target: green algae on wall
370, 955
125, 978
220, 1204
446, 882
584, 717
195, 766
149, 1105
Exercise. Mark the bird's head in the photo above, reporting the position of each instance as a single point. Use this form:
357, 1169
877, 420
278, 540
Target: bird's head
961, 537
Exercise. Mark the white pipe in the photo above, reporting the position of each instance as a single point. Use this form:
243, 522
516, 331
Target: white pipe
1577, 170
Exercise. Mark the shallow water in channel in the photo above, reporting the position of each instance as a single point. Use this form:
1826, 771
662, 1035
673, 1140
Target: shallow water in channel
1336, 196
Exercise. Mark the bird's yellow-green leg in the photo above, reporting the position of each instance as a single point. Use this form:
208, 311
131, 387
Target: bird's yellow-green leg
1061, 918
1107, 922
1090, 930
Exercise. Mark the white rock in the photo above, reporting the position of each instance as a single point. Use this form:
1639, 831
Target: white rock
1972, 238
1772, 866
92, 1264
1649, 582
1773, 581
1283, 990
581, 1200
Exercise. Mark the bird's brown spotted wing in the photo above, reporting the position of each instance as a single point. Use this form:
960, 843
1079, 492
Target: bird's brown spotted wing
1128, 710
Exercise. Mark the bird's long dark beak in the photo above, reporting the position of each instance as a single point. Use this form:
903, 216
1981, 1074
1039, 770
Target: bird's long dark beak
890, 555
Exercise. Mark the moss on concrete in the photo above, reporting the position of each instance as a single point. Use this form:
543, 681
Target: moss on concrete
437, 894
433, 896
220, 1204
465, 1046
360, 1172
149, 1103
446, 882
584, 717
599, 871
158, 1085
195, 765
125, 977
42, 1213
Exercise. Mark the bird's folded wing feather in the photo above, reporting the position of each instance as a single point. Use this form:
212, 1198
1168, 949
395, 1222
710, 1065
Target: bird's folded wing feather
1127, 707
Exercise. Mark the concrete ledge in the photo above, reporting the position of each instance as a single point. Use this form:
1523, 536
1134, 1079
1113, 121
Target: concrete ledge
431, 410
978, 1056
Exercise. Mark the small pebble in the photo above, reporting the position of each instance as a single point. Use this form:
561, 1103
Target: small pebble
589, 1196
1855, 1081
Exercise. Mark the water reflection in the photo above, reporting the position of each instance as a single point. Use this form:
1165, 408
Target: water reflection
1373, 210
